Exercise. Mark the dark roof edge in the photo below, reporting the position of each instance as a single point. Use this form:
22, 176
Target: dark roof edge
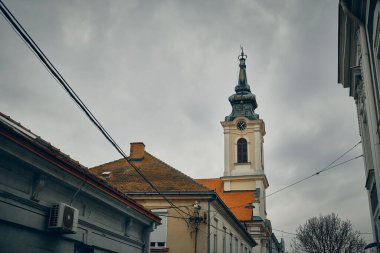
171, 193
40, 147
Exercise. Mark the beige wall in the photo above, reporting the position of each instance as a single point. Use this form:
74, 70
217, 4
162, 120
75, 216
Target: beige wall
181, 235
243, 185
247, 176
254, 135
219, 224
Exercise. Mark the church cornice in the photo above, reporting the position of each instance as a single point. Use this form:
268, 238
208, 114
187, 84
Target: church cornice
252, 125
262, 177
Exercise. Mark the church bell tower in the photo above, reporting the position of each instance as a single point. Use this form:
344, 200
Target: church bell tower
243, 143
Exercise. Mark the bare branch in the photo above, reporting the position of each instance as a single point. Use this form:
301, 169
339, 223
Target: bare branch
327, 234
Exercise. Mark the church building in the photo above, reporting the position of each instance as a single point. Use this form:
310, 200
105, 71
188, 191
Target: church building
243, 184
226, 214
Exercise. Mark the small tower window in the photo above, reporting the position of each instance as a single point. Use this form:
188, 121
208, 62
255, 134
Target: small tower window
242, 155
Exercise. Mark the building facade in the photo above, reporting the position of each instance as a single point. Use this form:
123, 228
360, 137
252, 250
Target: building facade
51, 203
194, 217
276, 246
244, 182
359, 71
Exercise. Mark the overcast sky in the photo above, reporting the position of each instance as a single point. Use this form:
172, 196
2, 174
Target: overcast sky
161, 72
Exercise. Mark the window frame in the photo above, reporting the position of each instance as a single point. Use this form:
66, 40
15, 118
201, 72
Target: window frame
242, 150
163, 214
224, 244
216, 236
231, 237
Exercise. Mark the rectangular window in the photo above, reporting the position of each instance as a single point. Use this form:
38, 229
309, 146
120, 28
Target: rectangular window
242, 154
224, 239
215, 243
241, 247
374, 200
231, 243
236, 245
159, 235
216, 236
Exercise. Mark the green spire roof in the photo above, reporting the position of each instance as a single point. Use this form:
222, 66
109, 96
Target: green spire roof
243, 102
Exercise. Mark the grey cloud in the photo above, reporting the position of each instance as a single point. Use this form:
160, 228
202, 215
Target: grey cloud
161, 72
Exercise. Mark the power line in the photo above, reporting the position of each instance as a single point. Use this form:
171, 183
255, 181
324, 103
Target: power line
56, 75
17, 27
167, 207
291, 233
282, 231
304, 179
315, 174
328, 167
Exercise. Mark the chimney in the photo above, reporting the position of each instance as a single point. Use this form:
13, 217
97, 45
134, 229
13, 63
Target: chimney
137, 151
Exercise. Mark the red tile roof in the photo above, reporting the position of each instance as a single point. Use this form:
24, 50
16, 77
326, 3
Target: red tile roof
235, 200
164, 177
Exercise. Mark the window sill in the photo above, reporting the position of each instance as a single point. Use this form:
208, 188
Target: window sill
159, 250
247, 163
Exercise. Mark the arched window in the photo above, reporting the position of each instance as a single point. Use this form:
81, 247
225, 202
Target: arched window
242, 155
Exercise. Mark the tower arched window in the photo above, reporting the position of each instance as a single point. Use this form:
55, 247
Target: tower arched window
242, 154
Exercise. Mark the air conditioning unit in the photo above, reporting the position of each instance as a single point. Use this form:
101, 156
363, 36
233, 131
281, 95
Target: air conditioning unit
63, 219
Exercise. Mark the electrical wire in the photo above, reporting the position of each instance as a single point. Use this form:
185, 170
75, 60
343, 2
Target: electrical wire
168, 207
304, 179
315, 174
282, 231
290, 233
16, 26
55, 73
328, 167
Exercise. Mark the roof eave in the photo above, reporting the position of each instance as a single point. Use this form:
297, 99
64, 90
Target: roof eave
34, 145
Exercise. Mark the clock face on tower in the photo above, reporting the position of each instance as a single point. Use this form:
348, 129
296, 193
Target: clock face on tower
241, 125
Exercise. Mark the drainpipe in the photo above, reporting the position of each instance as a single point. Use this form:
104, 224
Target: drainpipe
146, 237
208, 224
196, 235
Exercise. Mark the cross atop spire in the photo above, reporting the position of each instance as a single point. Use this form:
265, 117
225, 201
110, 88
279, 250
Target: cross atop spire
242, 55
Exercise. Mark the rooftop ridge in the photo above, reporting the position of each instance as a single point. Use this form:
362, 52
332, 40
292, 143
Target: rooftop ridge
107, 163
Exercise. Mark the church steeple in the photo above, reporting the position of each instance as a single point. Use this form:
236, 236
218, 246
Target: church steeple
243, 153
243, 132
243, 102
